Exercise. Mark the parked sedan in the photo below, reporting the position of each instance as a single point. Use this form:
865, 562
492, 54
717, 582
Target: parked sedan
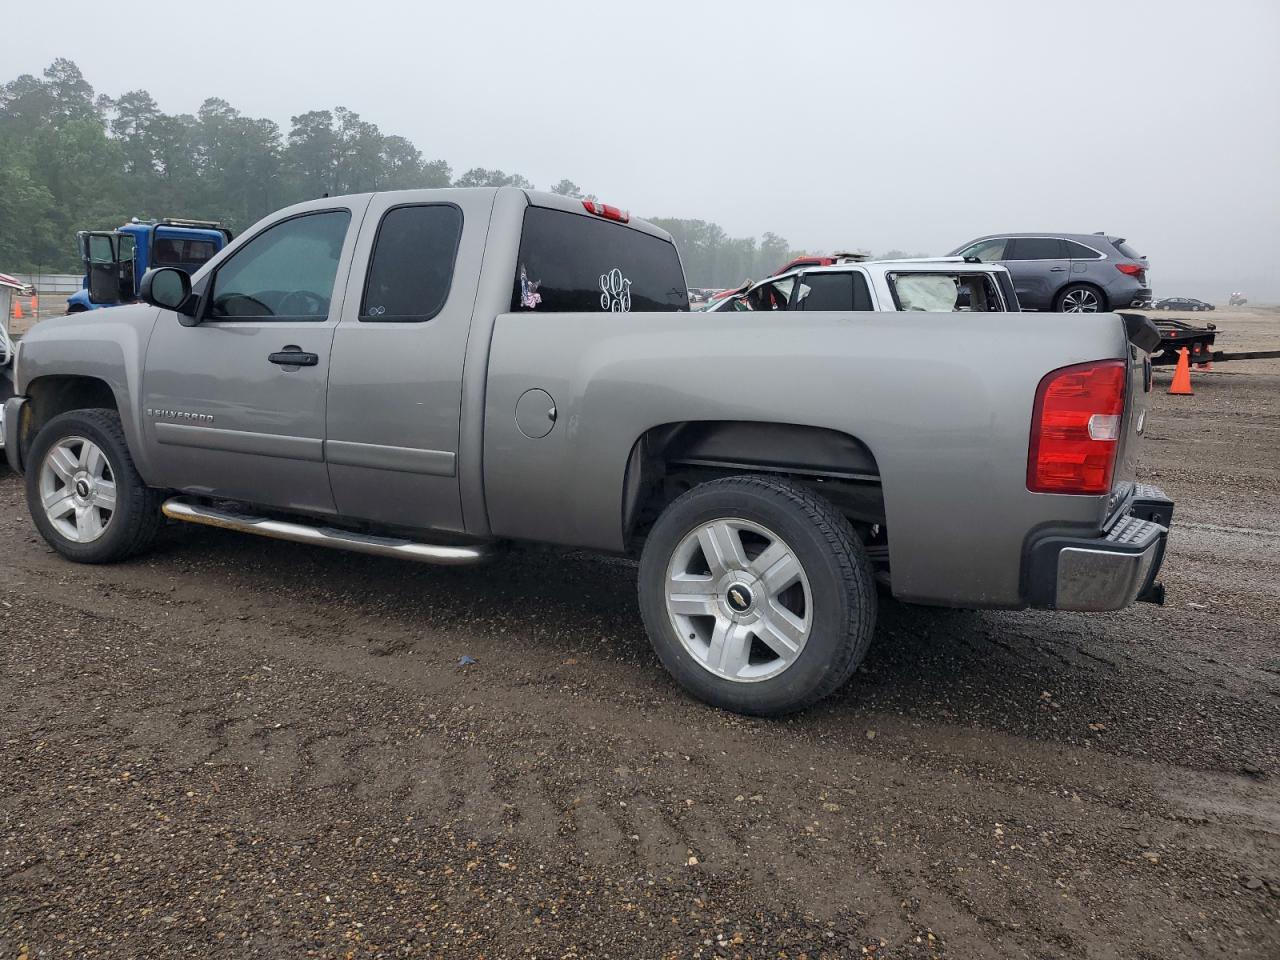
1067, 272
1183, 303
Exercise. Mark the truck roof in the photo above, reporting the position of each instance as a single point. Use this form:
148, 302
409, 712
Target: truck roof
554, 201
203, 233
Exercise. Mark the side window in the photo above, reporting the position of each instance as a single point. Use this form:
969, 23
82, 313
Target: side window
988, 251
101, 249
1078, 251
411, 268
946, 292
1035, 248
284, 273
833, 291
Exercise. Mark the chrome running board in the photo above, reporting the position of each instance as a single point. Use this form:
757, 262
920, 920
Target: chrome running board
188, 511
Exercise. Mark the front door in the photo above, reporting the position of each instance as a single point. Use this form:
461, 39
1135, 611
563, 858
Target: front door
1039, 268
395, 382
234, 406
101, 266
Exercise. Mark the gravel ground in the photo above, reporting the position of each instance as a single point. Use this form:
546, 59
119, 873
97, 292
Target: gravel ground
242, 748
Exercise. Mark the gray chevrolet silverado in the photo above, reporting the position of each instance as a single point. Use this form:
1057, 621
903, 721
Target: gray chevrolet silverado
432, 374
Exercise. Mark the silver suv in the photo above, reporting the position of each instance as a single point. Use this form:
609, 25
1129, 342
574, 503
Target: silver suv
1067, 272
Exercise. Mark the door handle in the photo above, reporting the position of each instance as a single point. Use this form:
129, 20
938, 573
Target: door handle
1057, 269
293, 358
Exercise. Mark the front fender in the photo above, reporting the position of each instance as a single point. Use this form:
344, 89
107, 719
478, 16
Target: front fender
106, 345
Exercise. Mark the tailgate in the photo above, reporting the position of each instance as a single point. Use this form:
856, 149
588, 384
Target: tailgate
1143, 338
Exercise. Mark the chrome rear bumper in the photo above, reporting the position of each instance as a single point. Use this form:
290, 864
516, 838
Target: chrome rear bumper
1108, 572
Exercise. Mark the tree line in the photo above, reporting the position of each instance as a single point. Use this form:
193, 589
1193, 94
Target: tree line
70, 160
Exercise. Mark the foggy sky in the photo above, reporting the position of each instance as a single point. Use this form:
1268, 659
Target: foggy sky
838, 125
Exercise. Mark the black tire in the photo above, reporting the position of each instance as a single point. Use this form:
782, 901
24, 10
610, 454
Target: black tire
1077, 289
136, 519
834, 561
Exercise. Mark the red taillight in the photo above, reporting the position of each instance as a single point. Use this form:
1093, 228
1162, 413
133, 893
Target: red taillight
1132, 269
606, 211
1075, 428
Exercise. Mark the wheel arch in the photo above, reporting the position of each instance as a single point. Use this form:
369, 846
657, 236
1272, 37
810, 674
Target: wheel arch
54, 394
670, 458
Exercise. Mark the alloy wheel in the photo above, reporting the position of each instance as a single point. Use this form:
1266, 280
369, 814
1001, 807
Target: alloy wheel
78, 489
1081, 301
739, 599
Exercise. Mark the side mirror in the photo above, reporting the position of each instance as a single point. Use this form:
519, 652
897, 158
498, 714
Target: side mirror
168, 288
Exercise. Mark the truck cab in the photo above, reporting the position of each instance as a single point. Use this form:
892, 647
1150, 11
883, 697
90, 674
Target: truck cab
115, 260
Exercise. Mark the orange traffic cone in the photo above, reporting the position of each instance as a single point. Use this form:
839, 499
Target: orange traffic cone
35, 306
17, 309
1181, 385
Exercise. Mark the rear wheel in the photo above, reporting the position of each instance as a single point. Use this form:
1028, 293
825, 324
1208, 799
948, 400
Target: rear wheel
83, 491
1080, 298
757, 595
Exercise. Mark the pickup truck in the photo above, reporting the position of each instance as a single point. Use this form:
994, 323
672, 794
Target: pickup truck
434, 374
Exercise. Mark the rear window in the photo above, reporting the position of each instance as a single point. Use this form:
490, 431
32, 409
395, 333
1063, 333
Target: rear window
571, 263
176, 252
1078, 251
1125, 250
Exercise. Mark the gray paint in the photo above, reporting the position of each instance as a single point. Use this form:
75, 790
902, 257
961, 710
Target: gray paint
240, 441
220, 368
948, 427
416, 423
432, 463
399, 385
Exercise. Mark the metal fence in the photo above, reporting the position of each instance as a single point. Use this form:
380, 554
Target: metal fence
51, 282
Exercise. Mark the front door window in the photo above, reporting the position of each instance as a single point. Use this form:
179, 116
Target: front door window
284, 273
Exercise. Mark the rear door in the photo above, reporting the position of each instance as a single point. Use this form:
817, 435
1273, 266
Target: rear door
1039, 267
227, 411
395, 380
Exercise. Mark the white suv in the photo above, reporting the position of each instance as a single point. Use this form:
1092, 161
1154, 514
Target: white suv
940, 285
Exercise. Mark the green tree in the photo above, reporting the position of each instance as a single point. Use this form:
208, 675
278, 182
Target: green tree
70, 160
482, 177
567, 188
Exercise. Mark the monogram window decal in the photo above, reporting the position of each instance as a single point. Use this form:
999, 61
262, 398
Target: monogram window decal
616, 292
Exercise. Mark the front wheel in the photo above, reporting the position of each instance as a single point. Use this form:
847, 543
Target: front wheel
757, 595
1079, 298
83, 491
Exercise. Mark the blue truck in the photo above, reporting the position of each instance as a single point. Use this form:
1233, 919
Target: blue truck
115, 260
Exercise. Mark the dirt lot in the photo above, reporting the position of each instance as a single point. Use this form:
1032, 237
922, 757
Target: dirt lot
241, 748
